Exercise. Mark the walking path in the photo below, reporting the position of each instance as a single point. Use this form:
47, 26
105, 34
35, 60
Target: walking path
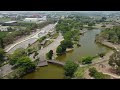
30, 39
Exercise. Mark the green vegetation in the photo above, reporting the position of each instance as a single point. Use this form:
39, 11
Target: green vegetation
87, 60
114, 61
54, 36
21, 62
20, 52
60, 50
62, 47
79, 74
47, 43
112, 35
3, 34
49, 55
30, 27
42, 38
2, 54
97, 75
70, 67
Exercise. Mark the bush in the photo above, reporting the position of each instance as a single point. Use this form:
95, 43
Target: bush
60, 49
70, 67
87, 60
49, 54
97, 75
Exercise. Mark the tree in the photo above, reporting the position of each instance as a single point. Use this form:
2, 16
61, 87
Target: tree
16, 55
35, 54
67, 43
114, 61
79, 73
60, 49
97, 75
92, 71
70, 67
26, 63
49, 54
1, 43
87, 60
2, 54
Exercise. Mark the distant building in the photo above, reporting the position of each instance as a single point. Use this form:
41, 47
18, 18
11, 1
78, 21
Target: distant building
10, 23
35, 19
4, 28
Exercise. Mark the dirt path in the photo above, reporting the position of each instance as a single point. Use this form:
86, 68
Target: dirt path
102, 64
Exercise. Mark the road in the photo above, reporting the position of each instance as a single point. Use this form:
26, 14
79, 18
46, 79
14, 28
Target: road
30, 39
4, 70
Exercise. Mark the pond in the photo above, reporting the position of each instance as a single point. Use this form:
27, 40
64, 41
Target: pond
88, 48
51, 71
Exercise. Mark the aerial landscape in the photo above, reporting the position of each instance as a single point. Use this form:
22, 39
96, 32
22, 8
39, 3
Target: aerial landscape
59, 44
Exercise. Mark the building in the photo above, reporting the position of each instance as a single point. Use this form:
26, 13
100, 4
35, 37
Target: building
35, 19
31, 20
10, 23
4, 28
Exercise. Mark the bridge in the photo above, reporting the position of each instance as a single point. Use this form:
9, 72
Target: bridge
56, 62
45, 63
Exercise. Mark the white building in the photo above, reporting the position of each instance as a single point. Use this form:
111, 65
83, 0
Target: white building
4, 28
35, 19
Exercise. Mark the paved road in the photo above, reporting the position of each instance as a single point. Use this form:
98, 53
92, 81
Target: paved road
30, 39
4, 70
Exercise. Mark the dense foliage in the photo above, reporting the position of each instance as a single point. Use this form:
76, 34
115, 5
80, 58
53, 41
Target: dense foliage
97, 75
112, 35
49, 54
30, 27
87, 60
114, 61
2, 54
70, 67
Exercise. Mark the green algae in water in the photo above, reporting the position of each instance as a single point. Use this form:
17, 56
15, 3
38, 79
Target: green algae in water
51, 71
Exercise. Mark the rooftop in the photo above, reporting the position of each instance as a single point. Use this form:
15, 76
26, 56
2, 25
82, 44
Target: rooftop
10, 22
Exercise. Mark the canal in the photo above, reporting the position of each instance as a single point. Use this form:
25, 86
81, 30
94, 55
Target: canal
88, 48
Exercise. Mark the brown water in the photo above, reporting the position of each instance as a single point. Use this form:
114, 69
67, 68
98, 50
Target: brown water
48, 72
88, 48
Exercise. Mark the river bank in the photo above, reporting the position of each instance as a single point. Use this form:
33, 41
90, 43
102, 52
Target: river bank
102, 64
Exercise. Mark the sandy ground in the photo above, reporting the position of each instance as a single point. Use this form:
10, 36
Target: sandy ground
102, 64
52, 46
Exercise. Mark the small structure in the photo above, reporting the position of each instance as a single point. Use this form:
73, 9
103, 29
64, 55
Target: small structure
10, 23
42, 63
4, 28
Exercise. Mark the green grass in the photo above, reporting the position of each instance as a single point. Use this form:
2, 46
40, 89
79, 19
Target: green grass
3, 34
5, 19
47, 43
55, 36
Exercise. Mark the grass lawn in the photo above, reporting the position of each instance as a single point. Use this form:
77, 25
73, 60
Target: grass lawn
3, 34
5, 19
